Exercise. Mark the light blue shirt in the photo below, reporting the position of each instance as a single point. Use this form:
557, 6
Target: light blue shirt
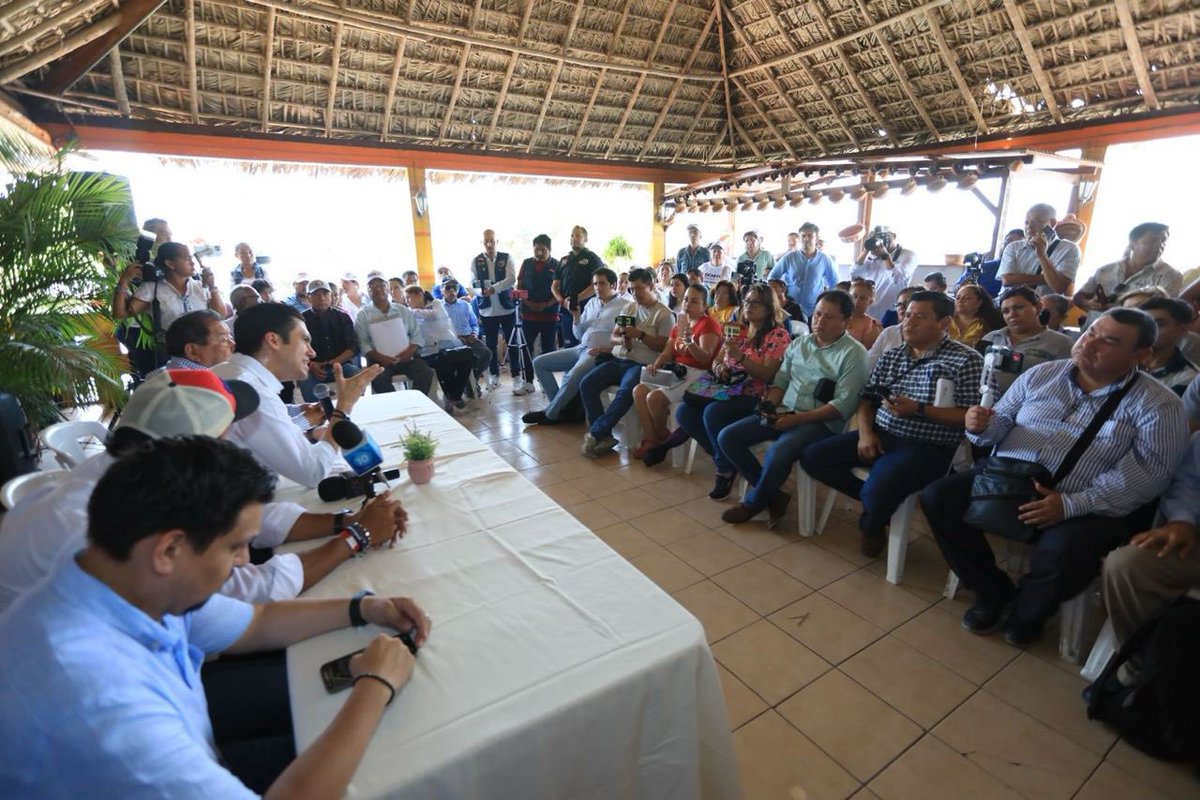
805, 277
102, 701
1181, 503
463, 318
1191, 401
369, 314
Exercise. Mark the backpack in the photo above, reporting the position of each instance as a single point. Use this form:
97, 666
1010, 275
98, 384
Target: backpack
1160, 714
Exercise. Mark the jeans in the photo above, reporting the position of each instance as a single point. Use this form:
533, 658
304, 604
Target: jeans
349, 369
251, 715
705, 424
415, 369
536, 330
615, 372
906, 466
1064, 560
491, 336
575, 363
766, 480
566, 323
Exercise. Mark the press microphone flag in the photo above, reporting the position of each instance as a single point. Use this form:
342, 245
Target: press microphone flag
359, 448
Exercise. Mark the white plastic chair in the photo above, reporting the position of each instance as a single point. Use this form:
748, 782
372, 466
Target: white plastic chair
64, 437
16, 488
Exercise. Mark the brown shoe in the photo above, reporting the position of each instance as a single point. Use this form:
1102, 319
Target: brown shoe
738, 514
776, 510
873, 546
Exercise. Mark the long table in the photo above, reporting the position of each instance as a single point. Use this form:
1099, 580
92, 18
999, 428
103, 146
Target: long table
554, 669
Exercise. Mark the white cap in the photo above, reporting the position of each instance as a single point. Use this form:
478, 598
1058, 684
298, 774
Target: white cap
180, 402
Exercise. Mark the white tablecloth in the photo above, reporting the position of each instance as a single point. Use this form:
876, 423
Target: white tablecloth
555, 669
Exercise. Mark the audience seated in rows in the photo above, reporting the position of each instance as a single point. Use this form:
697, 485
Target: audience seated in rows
1024, 333
725, 304
863, 328
404, 363
1166, 363
791, 308
466, 326
975, 314
892, 335
1141, 267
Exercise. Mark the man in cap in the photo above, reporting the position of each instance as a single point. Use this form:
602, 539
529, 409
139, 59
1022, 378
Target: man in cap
298, 299
693, 254
405, 362
333, 340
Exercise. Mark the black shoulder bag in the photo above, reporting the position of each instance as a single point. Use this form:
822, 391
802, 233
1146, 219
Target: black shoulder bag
1006, 484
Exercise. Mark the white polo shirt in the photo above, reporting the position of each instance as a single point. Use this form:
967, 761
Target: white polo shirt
1021, 258
171, 304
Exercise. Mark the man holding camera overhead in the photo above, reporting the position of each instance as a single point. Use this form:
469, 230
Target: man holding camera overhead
886, 264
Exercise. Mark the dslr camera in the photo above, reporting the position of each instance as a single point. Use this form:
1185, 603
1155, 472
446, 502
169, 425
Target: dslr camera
878, 239
745, 272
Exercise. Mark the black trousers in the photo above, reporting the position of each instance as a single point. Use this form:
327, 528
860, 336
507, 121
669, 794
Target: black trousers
251, 715
453, 368
1064, 560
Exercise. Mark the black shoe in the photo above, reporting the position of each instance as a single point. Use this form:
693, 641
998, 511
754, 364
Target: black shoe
777, 508
656, 455
1022, 634
873, 546
722, 486
535, 418
984, 617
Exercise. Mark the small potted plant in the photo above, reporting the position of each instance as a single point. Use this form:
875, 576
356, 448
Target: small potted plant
419, 448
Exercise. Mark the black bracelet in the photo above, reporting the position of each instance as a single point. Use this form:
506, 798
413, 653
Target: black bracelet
362, 536
339, 521
356, 617
382, 680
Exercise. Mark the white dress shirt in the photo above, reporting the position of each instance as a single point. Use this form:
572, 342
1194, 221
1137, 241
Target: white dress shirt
891, 336
597, 321
1021, 258
888, 281
171, 304
437, 331
270, 434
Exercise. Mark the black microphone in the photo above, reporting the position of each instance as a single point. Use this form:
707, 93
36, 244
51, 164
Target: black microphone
324, 397
349, 486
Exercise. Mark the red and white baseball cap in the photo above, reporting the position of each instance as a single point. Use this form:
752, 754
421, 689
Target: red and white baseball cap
181, 402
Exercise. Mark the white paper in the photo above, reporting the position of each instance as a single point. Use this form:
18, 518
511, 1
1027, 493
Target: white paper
390, 335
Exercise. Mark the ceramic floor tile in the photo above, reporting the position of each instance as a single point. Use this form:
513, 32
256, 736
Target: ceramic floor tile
864, 794
741, 703
1176, 781
845, 541
756, 538
576, 467
706, 511
565, 494
718, 611
1111, 783
875, 600
941, 637
631, 503
666, 526
911, 682
761, 586
542, 477
1052, 697
626, 540
856, 728
777, 762
929, 770
665, 569
680, 489
593, 514
640, 474
1016, 749
602, 488
823, 626
925, 570
769, 661
709, 553
809, 564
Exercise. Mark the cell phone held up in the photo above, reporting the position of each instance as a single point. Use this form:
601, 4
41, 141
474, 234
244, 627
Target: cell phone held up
336, 674
626, 320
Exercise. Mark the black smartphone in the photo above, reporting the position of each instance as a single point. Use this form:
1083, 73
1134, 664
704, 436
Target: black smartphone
336, 674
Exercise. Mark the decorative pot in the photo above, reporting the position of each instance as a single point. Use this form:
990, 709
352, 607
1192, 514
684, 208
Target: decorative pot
421, 472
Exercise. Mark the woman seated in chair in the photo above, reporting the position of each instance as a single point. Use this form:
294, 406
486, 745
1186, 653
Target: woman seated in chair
725, 303
693, 343
443, 350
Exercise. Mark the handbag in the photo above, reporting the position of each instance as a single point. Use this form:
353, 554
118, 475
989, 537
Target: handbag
1005, 484
708, 388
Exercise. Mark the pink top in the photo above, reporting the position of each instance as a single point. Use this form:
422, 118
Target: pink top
774, 345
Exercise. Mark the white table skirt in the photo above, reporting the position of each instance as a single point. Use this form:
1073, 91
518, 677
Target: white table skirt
554, 670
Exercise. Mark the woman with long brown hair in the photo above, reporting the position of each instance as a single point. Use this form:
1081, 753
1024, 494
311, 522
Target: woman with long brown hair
974, 315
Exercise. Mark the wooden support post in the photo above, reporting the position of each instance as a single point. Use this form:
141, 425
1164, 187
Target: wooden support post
424, 242
864, 214
1084, 207
1001, 212
658, 231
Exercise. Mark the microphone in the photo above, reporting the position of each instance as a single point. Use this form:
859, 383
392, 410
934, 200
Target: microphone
325, 398
349, 486
359, 448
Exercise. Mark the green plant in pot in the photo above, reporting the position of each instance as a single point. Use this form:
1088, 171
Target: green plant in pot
419, 448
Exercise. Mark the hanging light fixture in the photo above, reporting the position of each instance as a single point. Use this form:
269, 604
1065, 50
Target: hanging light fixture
880, 190
936, 183
857, 192
835, 195
909, 187
968, 180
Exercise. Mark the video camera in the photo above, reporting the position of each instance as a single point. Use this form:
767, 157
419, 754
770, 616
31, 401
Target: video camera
746, 272
878, 238
997, 359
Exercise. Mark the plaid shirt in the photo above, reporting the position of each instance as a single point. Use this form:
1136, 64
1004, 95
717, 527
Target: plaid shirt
898, 373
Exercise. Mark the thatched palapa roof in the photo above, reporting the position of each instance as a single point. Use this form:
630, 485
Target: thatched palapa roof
697, 82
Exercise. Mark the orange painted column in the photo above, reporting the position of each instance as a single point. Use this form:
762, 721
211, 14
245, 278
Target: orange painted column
420, 220
658, 230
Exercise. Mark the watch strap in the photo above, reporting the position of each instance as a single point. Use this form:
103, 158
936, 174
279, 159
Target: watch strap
356, 617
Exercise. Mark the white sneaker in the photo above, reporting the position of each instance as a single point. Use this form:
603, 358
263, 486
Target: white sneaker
493, 381
521, 387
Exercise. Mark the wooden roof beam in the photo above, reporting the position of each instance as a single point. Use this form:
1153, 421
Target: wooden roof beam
268, 64
335, 63
537, 128
662, 114
88, 54
687, 137
27, 38
902, 78
612, 46
393, 82
758, 109
728, 98
118, 81
1135, 54
512, 66
41, 58
637, 89
1031, 57
190, 50
458, 75
951, 62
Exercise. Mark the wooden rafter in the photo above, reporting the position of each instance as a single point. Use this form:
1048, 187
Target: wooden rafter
334, 64
89, 53
687, 137
725, 72
758, 109
666, 108
268, 62
901, 76
951, 61
1132, 44
1031, 57
612, 46
637, 88
190, 48
27, 38
118, 81
393, 82
508, 73
537, 128
458, 75
749, 141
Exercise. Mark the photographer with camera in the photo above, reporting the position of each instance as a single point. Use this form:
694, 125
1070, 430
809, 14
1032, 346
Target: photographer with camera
910, 419
1024, 334
572, 286
888, 265
1138, 436
807, 272
1042, 261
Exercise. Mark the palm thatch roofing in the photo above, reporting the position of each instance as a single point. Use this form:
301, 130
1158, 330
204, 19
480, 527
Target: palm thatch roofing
720, 83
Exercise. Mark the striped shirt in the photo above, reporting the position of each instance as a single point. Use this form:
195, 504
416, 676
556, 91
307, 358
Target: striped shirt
1132, 457
898, 373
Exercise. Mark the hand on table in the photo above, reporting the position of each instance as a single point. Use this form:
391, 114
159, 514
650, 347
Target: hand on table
387, 657
401, 613
385, 519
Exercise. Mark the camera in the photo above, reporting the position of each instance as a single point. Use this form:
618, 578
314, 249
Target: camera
874, 394
745, 272
1004, 359
626, 320
871, 243
973, 260
206, 250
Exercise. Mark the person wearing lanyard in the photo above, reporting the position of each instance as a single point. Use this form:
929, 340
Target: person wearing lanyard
175, 293
573, 284
494, 275
1042, 260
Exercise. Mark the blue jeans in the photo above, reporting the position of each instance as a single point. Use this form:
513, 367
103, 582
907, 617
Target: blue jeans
575, 362
616, 372
535, 330
705, 424
906, 466
349, 369
768, 478
565, 328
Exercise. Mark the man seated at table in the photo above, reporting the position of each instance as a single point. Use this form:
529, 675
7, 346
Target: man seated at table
466, 326
1092, 509
198, 340
52, 520
404, 362
815, 391
272, 345
1160, 564
104, 693
1024, 333
1167, 364
593, 328
892, 335
906, 434
450, 358
635, 346
333, 340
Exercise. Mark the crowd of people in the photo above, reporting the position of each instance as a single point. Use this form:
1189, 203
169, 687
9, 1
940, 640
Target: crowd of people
119, 597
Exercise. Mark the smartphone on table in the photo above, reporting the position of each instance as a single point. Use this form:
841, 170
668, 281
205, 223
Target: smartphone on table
336, 675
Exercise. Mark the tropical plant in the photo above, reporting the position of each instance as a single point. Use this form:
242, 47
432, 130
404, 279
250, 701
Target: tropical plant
59, 232
618, 251
418, 445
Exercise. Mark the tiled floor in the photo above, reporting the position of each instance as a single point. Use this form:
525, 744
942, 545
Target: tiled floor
837, 683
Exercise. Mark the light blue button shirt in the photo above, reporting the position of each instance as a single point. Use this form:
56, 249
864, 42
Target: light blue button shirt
805, 277
99, 700
1181, 503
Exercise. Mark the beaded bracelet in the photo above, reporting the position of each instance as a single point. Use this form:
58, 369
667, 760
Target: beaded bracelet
382, 680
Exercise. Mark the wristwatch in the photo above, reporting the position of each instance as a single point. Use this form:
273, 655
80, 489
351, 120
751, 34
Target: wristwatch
339, 521
357, 538
356, 617
920, 408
